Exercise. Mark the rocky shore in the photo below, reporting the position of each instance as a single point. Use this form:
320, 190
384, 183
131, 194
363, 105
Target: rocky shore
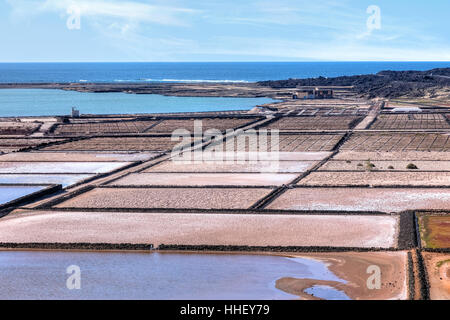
250, 90
433, 83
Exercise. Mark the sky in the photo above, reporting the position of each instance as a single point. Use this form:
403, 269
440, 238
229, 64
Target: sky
218, 30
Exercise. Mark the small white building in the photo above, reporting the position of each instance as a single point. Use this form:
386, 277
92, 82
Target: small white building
75, 112
313, 94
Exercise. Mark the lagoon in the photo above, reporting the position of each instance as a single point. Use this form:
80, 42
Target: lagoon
52, 102
140, 275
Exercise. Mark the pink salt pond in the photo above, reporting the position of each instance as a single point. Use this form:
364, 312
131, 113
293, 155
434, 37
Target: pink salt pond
363, 199
205, 179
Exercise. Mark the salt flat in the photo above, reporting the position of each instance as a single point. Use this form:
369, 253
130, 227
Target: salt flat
199, 229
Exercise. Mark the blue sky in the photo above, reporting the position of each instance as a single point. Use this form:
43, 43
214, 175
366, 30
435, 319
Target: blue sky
232, 30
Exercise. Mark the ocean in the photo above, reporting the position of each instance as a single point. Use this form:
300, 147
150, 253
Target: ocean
195, 72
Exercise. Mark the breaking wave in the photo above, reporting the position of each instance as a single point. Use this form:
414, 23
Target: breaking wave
184, 80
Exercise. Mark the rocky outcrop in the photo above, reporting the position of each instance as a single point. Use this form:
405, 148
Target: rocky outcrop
385, 84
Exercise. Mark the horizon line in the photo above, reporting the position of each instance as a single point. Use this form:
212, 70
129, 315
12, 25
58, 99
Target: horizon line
237, 61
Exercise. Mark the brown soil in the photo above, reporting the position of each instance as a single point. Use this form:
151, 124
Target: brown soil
435, 231
438, 276
352, 267
297, 287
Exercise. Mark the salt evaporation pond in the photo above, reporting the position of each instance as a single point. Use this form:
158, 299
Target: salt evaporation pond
63, 179
60, 167
10, 193
126, 275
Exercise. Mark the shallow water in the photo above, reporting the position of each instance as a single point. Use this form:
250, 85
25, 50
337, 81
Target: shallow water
10, 193
326, 292
48, 102
64, 180
42, 275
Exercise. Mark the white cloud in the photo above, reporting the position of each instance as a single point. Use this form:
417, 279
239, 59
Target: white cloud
122, 25
259, 30
137, 12
278, 49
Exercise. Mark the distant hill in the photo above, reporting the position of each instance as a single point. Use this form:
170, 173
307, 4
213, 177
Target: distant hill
385, 84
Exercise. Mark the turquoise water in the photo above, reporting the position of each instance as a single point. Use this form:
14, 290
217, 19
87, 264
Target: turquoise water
10, 193
126, 275
48, 102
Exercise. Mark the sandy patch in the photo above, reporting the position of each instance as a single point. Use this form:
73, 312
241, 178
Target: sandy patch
352, 267
438, 267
